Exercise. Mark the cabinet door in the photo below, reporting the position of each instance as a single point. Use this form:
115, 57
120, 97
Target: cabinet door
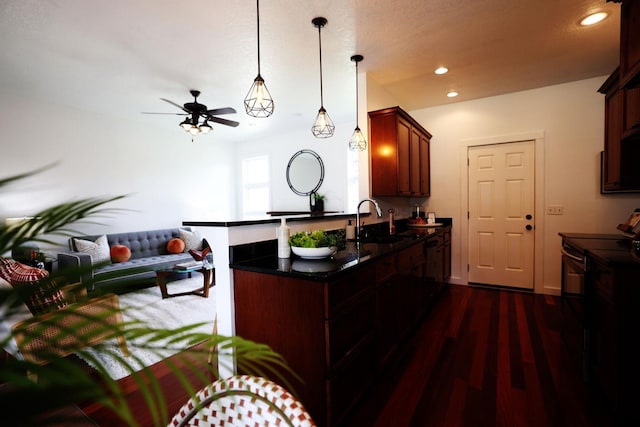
629, 41
404, 157
383, 134
425, 167
414, 165
631, 111
613, 134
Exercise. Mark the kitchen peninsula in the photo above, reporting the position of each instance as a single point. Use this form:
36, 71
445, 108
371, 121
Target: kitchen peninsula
339, 322
224, 233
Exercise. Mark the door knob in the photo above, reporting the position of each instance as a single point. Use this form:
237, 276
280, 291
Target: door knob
529, 227
528, 216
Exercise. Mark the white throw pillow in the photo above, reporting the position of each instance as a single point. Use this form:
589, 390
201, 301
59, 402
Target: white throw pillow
192, 240
99, 250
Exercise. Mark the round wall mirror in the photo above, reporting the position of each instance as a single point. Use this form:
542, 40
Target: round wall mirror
305, 172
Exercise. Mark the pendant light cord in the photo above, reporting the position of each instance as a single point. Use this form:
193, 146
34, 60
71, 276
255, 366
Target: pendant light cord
258, 20
357, 103
320, 50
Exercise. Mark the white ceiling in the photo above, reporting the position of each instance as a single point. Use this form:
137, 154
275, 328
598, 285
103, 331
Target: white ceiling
120, 57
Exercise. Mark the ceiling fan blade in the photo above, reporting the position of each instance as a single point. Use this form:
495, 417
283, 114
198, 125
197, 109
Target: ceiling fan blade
218, 111
173, 114
177, 105
223, 121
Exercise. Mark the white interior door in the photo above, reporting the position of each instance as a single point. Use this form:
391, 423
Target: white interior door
501, 214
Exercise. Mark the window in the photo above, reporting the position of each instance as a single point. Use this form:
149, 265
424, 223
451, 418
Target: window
256, 191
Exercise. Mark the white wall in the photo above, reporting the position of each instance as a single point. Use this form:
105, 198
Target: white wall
167, 177
279, 148
571, 117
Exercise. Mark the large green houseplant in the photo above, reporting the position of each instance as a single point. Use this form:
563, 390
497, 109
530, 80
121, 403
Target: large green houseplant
63, 381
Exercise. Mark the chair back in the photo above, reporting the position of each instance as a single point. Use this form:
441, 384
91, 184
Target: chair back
243, 401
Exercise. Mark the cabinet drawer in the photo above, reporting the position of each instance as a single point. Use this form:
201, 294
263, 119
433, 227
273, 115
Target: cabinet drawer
410, 257
345, 288
385, 269
347, 385
347, 329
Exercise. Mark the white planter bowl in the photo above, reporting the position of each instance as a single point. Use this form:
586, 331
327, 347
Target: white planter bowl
313, 253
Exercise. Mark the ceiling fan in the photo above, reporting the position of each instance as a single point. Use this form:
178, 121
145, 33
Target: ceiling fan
194, 111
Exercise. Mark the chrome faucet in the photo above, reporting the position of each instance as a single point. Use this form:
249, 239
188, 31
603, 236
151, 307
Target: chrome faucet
378, 211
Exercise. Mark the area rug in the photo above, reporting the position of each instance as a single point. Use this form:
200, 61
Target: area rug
147, 305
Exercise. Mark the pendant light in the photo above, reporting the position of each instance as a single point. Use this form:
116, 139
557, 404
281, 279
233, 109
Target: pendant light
323, 127
258, 102
357, 141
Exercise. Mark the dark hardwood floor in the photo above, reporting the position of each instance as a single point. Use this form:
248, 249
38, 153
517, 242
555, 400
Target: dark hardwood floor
482, 357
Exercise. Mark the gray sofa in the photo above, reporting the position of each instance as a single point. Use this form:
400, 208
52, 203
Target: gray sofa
148, 254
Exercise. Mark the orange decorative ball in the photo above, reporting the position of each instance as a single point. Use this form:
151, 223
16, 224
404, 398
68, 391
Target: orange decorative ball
120, 253
175, 246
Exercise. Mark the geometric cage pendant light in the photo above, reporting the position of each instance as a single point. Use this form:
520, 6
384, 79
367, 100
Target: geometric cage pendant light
357, 141
258, 102
323, 127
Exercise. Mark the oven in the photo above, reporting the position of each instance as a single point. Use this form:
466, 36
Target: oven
575, 331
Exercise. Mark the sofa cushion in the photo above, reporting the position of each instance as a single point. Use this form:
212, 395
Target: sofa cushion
192, 240
120, 253
175, 246
98, 250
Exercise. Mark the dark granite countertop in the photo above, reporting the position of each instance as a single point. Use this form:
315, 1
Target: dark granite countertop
261, 257
608, 248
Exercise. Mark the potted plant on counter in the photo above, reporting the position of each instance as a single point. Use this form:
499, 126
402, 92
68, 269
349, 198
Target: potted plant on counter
318, 202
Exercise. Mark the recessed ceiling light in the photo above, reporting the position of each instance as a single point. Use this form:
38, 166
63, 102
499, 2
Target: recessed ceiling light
452, 94
441, 70
594, 18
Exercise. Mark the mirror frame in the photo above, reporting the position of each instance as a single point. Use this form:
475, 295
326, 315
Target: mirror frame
295, 156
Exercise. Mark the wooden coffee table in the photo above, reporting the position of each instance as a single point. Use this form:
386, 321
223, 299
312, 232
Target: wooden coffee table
208, 275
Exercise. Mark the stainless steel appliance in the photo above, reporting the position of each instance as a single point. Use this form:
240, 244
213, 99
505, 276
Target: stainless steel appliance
573, 298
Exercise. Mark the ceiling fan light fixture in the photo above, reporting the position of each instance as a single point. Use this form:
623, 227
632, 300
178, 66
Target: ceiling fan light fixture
186, 125
258, 102
323, 127
205, 128
194, 130
357, 141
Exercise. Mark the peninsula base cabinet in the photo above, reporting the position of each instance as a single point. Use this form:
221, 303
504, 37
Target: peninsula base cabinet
613, 295
337, 334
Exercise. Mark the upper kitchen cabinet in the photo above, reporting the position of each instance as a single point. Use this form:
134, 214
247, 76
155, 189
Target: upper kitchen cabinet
399, 154
622, 109
630, 43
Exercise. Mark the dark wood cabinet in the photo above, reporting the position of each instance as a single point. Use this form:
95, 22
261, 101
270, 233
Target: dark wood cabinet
613, 295
324, 330
399, 149
630, 43
622, 136
622, 109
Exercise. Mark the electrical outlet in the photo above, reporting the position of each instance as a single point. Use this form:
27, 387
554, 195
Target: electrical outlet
555, 210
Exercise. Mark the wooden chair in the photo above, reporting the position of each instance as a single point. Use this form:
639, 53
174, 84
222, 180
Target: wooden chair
242, 401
